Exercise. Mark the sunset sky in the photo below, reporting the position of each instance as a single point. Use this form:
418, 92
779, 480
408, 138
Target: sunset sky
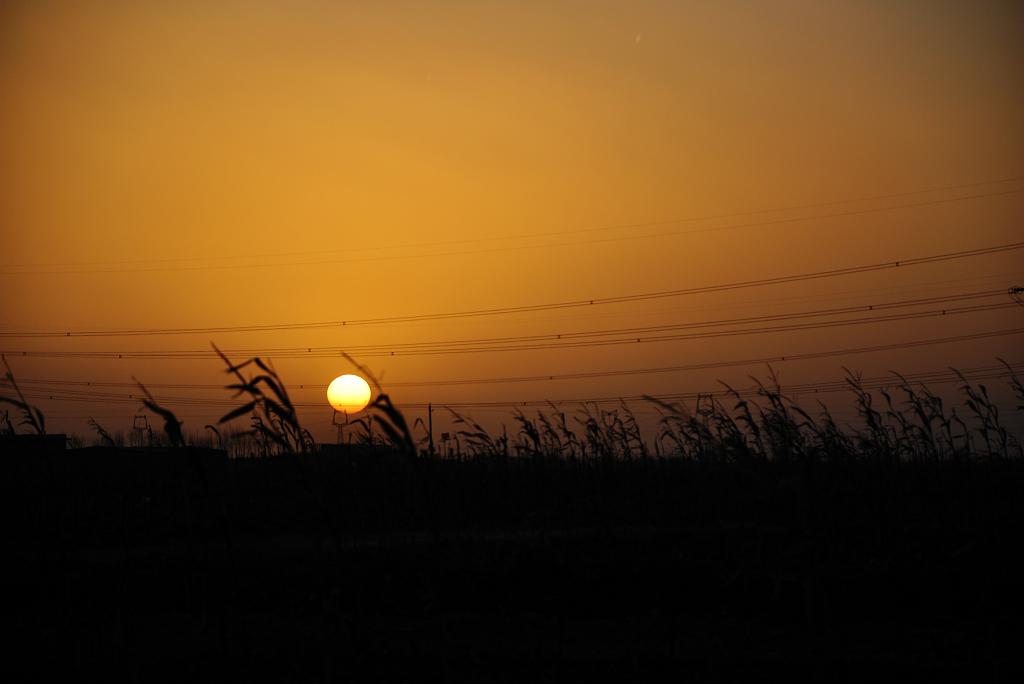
170, 165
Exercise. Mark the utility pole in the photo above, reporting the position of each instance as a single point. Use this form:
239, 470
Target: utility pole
140, 424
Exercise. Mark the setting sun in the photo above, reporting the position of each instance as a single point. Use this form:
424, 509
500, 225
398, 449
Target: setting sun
348, 394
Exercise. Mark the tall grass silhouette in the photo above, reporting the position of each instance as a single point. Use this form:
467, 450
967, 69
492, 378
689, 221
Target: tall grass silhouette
912, 423
31, 415
172, 426
909, 422
274, 421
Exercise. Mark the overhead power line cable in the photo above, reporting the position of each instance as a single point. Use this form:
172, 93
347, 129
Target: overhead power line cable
518, 236
418, 255
431, 349
934, 376
716, 323
546, 377
529, 308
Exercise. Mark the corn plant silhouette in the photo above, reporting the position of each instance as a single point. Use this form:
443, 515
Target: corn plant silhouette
388, 417
101, 432
478, 439
214, 430
172, 426
33, 417
272, 415
998, 441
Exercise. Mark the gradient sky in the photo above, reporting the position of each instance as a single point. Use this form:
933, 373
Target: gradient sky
177, 164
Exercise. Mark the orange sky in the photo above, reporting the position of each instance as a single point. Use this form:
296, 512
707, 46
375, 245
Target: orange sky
183, 164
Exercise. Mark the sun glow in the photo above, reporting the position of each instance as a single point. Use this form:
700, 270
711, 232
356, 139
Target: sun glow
348, 394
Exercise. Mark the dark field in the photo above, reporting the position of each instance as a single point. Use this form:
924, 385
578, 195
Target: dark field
160, 564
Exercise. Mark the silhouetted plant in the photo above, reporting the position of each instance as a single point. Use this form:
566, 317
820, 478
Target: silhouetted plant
172, 426
529, 431
1015, 384
32, 416
215, 431
390, 419
273, 418
105, 438
998, 441
918, 428
478, 440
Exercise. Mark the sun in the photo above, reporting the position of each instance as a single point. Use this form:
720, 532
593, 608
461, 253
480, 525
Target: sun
348, 394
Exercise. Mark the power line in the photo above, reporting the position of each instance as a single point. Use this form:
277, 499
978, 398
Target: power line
529, 308
835, 311
621, 226
757, 361
334, 352
877, 382
632, 332
508, 248
198, 401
